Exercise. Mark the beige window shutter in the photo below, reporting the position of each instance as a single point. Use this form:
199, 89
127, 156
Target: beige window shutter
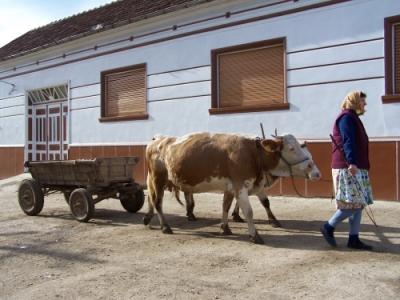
126, 93
251, 77
397, 58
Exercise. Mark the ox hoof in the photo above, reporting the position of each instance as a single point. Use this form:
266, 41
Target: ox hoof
225, 230
167, 230
146, 220
237, 218
274, 223
191, 218
256, 239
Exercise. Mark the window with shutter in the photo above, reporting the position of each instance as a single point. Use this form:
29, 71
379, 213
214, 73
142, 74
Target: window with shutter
249, 78
396, 59
392, 60
124, 94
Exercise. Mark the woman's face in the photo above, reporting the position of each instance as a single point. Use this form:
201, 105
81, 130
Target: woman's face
363, 103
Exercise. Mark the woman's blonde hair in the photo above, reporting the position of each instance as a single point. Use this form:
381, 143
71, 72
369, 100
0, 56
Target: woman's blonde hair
352, 101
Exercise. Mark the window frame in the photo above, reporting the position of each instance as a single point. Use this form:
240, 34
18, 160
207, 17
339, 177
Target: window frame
390, 95
215, 109
103, 100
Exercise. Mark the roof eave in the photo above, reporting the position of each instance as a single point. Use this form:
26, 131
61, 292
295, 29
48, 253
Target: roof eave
109, 27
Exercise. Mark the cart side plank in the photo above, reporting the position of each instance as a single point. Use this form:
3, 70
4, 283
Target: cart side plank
83, 172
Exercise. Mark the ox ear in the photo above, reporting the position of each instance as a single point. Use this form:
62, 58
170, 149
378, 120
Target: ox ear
272, 146
304, 144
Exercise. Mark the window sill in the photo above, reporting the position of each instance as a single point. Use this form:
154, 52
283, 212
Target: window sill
124, 118
246, 109
390, 98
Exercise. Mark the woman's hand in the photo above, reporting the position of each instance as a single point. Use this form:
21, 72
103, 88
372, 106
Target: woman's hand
353, 170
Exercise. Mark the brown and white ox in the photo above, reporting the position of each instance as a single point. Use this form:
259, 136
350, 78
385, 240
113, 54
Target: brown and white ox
240, 165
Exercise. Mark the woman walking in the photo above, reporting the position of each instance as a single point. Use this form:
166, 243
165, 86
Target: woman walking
350, 166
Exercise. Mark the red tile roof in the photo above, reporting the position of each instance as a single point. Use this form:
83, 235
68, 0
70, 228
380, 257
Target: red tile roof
78, 25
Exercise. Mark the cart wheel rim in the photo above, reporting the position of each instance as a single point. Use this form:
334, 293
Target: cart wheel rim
27, 199
79, 206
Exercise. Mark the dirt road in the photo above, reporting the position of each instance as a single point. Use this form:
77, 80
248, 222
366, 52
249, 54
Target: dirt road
114, 256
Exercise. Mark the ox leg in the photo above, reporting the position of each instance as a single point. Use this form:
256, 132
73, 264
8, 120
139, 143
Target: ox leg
150, 208
226, 205
265, 202
235, 214
158, 206
156, 193
190, 206
244, 203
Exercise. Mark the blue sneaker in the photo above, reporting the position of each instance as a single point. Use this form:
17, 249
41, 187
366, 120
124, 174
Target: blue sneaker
329, 238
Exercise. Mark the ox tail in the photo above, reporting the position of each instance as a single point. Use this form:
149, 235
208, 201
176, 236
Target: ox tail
175, 191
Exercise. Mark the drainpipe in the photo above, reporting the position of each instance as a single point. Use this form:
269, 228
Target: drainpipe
69, 118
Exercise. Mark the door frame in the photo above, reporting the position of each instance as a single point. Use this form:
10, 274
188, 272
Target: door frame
55, 101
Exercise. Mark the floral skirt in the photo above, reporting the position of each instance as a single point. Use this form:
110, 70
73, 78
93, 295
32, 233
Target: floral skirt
352, 191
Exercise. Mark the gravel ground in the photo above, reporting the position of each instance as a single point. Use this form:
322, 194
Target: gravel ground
114, 256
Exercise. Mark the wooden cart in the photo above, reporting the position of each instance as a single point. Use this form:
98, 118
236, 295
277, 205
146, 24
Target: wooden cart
84, 182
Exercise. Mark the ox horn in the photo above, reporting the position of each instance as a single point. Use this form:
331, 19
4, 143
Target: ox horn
262, 131
276, 136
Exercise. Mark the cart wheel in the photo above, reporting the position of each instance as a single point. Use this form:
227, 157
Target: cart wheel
133, 203
81, 205
30, 197
66, 196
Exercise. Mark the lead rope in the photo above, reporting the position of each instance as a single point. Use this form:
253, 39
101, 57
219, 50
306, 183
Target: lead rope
365, 205
295, 188
292, 177
371, 217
